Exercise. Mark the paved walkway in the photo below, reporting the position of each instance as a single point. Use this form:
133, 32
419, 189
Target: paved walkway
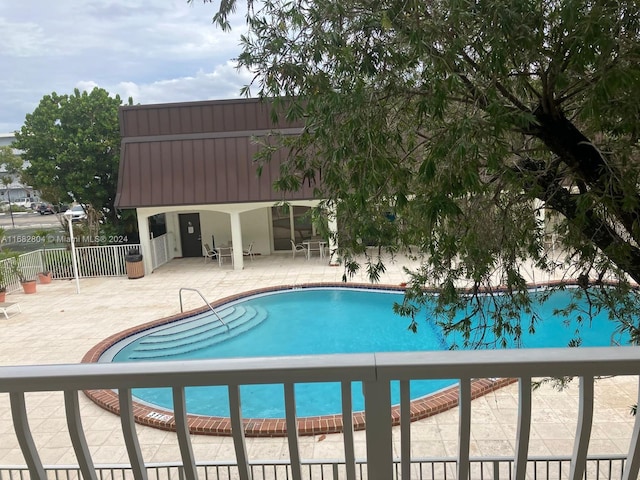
57, 325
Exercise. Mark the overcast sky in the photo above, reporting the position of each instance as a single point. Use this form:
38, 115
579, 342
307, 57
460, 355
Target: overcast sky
155, 52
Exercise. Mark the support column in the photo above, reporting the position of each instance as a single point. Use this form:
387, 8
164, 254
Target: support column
145, 242
333, 229
236, 241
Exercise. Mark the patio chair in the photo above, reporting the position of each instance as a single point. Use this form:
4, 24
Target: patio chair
224, 252
248, 252
208, 253
298, 247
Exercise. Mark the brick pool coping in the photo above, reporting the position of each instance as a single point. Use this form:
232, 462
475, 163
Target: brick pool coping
157, 417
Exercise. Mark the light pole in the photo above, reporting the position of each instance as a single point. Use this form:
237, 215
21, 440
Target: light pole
73, 251
7, 184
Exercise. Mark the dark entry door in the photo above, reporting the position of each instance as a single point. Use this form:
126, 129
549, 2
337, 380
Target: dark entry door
190, 234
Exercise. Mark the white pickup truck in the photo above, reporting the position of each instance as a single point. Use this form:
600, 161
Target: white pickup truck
27, 202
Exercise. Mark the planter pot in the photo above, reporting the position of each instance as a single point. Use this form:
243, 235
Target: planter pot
44, 277
3, 296
29, 286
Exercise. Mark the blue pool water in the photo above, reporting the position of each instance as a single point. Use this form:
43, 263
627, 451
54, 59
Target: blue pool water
315, 321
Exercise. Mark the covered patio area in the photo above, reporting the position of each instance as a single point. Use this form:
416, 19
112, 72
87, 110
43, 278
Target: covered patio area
191, 231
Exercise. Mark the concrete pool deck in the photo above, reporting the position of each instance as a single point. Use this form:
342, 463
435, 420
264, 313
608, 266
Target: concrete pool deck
57, 325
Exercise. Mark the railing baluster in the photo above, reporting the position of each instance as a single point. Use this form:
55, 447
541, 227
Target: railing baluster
76, 432
347, 428
130, 436
182, 430
524, 427
464, 437
292, 430
632, 465
405, 429
237, 430
97, 260
23, 433
583, 430
496, 470
377, 405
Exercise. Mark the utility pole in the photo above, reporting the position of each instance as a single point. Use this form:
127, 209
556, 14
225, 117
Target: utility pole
7, 181
12, 164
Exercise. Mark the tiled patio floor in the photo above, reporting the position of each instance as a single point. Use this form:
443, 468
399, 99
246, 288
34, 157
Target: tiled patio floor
57, 325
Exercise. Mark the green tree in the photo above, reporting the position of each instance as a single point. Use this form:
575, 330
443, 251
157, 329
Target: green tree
72, 144
9, 161
465, 121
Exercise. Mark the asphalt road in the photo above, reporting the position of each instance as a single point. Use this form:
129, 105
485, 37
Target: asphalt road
23, 233
26, 220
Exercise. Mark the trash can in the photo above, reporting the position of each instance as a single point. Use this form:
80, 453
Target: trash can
134, 264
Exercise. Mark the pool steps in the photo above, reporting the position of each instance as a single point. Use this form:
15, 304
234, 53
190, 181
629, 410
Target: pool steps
184, 329
199, 333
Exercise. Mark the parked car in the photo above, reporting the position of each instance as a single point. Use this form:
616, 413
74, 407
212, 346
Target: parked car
76, 213
45, 209
28, 202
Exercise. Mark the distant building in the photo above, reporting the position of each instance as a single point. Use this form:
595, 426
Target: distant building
6, 139
15, 190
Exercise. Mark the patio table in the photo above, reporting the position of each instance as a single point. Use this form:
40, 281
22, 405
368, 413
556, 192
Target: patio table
314, 246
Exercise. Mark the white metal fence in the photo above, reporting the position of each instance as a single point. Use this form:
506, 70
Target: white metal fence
600, 467
160, 250
375, 371
93, 261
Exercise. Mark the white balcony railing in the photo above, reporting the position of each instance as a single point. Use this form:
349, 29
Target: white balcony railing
375, 371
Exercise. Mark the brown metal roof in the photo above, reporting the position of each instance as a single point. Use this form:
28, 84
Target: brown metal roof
197, 153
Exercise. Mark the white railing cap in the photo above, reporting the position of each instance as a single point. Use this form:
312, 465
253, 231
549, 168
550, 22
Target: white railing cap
589, 361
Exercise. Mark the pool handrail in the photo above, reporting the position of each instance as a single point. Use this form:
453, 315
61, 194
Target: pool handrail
205, 301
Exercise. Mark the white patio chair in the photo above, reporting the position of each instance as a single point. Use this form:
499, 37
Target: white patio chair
208, 253
298, 247
248, 252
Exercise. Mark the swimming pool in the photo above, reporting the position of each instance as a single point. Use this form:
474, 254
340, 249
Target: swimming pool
311, 321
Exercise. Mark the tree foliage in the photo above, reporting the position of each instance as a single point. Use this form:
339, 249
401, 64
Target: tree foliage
72, 144
10, 163
484, 128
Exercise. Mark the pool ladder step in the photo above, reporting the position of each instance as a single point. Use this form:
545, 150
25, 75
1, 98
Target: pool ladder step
251, 317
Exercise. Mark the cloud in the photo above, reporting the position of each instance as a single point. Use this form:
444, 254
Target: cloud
223, 82
156, 52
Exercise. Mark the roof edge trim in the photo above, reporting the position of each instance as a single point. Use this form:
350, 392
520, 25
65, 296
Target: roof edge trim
209, 135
